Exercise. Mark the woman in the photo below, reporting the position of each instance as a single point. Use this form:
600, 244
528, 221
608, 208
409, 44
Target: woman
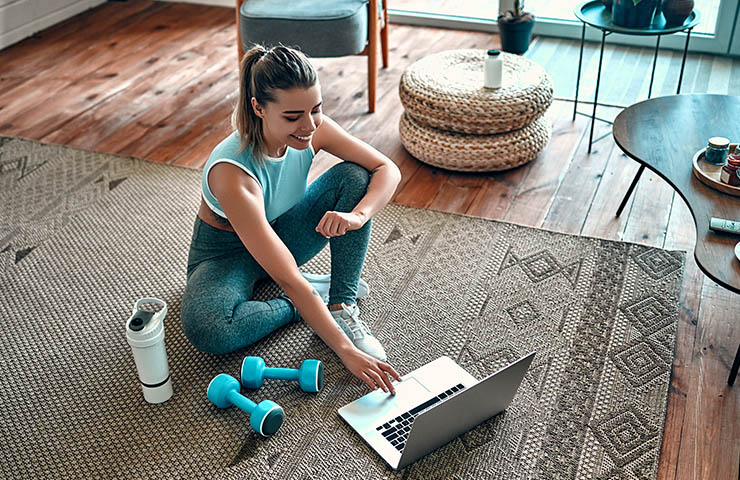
258, 218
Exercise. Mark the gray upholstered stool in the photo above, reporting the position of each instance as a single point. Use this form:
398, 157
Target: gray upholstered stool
332, 28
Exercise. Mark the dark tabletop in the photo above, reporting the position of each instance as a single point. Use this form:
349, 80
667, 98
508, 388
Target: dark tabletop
663, 134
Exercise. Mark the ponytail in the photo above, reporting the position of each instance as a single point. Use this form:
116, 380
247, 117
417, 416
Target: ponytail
261, 73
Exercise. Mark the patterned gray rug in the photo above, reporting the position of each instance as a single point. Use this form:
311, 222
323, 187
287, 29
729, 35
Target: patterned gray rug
84, 235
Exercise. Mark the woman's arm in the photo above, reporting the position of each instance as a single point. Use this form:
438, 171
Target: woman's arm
385, 177
240, 197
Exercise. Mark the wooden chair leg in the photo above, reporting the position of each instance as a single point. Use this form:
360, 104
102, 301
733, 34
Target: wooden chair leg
372, 57
384, 35
239, 32
372, 78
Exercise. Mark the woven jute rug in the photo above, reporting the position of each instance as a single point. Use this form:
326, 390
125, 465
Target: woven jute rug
84, 235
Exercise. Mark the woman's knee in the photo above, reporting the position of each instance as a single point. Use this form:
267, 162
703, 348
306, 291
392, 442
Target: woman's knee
353, 181
203, 327
353, 175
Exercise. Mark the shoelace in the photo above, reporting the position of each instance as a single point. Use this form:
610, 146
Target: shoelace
353, 323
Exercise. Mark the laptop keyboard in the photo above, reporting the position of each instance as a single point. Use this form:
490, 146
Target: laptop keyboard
396, 431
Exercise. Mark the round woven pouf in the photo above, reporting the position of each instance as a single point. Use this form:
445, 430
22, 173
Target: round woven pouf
445, 90
474, 153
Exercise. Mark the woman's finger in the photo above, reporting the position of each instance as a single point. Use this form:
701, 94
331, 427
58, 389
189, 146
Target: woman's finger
321, 227
379, 379
343, 227
390, 370
340, 226
369, 381
337, 226
386, 385
329, 226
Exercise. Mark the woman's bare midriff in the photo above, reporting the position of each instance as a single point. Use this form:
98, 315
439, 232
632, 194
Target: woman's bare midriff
207, 215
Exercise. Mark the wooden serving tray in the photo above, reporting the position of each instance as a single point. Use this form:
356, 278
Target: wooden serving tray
708, 174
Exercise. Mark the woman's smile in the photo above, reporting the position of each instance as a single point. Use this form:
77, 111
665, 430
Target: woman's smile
302, 138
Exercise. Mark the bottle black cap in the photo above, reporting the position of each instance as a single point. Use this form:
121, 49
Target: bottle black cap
494, 52
140, 320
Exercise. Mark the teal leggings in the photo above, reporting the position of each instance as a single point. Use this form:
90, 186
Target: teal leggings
218, 315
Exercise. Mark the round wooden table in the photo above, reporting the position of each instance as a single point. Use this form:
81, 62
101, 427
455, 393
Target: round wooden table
663, 134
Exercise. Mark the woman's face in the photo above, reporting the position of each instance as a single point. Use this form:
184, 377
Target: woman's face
291, 119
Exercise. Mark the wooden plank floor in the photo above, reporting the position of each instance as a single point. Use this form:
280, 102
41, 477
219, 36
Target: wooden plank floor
142, 79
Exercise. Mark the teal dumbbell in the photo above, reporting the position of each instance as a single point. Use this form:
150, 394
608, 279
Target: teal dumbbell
264, 417
310, 376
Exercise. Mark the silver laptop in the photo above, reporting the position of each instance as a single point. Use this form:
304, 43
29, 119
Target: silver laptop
433, 405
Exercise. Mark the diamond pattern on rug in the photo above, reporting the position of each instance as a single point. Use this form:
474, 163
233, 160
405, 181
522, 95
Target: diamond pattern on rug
658, 263
523, 313
601, 316
543, 265
640, 362
649, 314
626, 435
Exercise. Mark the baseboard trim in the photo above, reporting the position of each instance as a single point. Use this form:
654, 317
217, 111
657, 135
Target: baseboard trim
25, 31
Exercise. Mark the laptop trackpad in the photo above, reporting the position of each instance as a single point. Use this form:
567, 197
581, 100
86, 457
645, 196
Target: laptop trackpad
409, 388
367, 412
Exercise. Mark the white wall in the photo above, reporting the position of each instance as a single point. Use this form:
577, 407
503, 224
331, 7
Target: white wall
22, 18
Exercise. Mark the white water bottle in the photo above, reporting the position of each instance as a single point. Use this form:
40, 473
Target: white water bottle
493, 69
145, 335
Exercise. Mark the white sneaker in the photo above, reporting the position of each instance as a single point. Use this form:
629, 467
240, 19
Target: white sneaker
322, 283
348, 319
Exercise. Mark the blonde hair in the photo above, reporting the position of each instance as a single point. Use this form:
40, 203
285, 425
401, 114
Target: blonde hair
261, 72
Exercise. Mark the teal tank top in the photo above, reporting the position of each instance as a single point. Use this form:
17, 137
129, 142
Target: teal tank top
283, 180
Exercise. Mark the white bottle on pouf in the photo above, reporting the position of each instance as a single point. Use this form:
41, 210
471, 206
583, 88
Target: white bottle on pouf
493, 69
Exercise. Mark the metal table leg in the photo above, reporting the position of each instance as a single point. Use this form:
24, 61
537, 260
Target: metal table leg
683, 61
629, 190
596, 94
655, 62
642, 167
580, 62
733, 370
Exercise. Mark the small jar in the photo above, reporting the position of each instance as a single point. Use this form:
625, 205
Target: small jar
731, 170
717, 150
493, 68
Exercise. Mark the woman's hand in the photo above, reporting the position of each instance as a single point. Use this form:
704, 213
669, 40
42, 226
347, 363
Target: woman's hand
370, 370
335, 224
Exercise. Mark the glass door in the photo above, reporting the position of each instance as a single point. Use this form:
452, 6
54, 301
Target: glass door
711, 35
735, 46
556, 18
455, 9
563, 10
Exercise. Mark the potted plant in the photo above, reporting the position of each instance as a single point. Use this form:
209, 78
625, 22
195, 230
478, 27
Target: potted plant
633, 13
676, 11
515, 27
